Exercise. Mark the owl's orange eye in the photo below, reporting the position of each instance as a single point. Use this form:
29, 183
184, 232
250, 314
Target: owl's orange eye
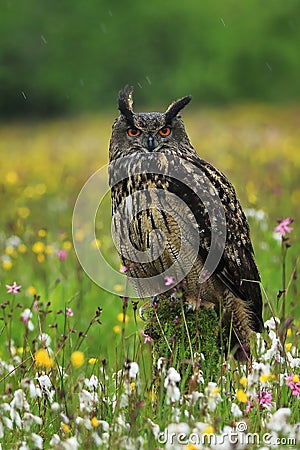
165, 131
133, 132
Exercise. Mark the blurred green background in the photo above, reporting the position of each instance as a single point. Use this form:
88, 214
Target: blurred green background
67, 56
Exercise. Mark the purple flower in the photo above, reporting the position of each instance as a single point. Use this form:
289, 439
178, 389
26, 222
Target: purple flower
293, 382
146, 336
123, 269
283, 226
248, 406
14, 288
169, 281
69, 312
265, 398
62, 254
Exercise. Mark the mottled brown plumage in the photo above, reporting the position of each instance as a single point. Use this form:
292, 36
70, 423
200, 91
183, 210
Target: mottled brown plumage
144, 199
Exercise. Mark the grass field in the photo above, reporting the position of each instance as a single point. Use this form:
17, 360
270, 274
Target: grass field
64, 340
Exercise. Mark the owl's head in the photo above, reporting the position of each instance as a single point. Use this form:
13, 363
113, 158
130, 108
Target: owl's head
147, 132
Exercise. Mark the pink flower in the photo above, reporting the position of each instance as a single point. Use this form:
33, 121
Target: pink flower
25, 317
146, 336
169, 281
14, 288
123, 269
69, 312
283, 226
265, 398
293, 383
248, 406
62, 254
35, 305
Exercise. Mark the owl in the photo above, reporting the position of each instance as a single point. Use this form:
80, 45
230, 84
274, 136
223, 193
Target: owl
170, 208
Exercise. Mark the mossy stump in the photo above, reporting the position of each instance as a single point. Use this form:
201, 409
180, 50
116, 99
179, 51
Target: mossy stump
168, 329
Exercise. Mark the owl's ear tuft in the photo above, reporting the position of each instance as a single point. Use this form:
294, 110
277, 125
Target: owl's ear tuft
125, 102
176, 106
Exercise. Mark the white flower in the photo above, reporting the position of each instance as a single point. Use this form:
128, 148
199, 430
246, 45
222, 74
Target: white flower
133, 370
84, 422
23, 446
272, 323
54, 440
87, 400
161, 364
30, 419
70, 444
91, 383
175, 434
279, 420
172, 375
45, 385
173, 394
19, 401
37, 441
235, 410
45, 340
212, 393
55, 407
26, 315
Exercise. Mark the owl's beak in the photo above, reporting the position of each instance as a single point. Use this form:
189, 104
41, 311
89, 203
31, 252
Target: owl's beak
150, 143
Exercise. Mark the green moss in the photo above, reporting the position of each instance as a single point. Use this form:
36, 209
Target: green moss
166, 326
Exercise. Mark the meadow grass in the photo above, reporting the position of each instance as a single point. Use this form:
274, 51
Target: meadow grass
75, 364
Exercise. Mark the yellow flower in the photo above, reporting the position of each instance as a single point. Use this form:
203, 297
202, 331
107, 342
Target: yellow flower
48, 249
296, 379
79, 235
22, 248
289, 332
243, 381
216, 391
265, 377
11, 177
42, 233
118, 287
40, 188
191, 447
65, 428
288, 346
117, 329
121, 317
94, 422
77, 358
43, 359
38, 247
40, 257
31, 290
208, 430
10, 251
92, 361
23, 212
241, 396
132, 386
7, 264
67, 245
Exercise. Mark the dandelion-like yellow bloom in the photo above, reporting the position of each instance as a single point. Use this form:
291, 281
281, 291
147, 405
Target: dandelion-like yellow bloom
22, 248
79, 235
38, 247
208, 430
243, 381
132, 386
77, 358
23, 212
295, 379
92, 361
12, 177
67, 245
289, 332
42, 233
94, 422
7, 264
265, 377
123, 317
241, 396
191, 447
31, 290
11, 251
40, 257
42, 359
117, 329
66, 428
288, 346
216, 391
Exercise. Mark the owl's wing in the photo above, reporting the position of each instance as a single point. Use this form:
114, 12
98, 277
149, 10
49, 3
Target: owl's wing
237, 268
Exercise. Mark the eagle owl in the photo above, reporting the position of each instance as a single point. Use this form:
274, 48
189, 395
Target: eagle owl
154, 172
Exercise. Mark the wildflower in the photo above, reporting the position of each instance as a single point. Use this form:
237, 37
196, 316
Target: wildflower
37, 441
283, 226
289, 332
45, 340
95, 422
123, 269
243, 381
173, 392
25, 317
241, 396
22, 248
14, 288
264, 378
42, 233
92, 383
62, 254
77, 358
293, 382
87, 400
92, 361
43, 359
65, 427
38, 247
123, 317
67, 245
117, 329
169, 281
278, 421
11, 177
6, 263
212, 391
235, 411
31, 290
69, 312
288, 346
133, 370
248, 406
265, 398
146, 336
